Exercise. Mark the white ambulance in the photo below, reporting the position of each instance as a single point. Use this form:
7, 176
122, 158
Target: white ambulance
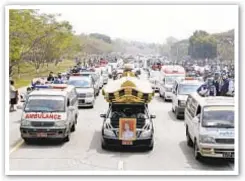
168, 74
50, 111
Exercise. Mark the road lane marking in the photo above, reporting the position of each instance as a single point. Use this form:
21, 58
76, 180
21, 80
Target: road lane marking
120, 165
16, 147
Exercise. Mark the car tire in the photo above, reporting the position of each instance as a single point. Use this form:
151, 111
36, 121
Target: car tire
67, 138
73, 128
177, 114
150, 148
188, 138
197, 155
27, 140
104, 147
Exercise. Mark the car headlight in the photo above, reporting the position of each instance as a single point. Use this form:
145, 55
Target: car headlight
108, 132
25, 122
206, 139
60, 123
181, 103
90, 94
146, 134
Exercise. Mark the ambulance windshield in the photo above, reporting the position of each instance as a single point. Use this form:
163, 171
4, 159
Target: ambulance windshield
45, 104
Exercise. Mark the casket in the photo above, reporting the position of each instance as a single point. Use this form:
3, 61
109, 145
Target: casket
128, 89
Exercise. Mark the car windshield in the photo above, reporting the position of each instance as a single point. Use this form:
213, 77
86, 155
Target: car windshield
170, 79
128, 111
187, 89
45, 104
218, 117
84, 83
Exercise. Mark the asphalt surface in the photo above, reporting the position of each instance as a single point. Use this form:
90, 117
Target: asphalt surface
84, 151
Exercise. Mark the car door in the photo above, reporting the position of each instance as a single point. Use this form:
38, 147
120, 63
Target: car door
196, 123
175, 92
193, 109
69, 112
174, 96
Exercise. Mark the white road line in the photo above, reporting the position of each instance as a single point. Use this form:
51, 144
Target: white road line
16, 147
120, 165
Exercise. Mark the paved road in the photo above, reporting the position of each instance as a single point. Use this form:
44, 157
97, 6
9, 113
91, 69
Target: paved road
84, 152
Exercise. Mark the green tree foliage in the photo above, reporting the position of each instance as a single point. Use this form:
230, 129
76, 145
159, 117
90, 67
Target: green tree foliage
99, 36
202, 45
38, 38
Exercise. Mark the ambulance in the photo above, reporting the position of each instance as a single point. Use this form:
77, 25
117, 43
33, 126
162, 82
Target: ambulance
50, 112
168, 74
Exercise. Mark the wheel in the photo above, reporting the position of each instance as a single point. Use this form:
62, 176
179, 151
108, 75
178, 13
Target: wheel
177, 114
188, 139
104, 147
67, 138
150, 148
73, 128
165, 100
197, 155
27, 140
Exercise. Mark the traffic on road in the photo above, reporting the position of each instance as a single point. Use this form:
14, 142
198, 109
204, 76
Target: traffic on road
126, 116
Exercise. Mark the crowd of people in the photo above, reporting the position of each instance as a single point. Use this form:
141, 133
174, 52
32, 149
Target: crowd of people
219, 80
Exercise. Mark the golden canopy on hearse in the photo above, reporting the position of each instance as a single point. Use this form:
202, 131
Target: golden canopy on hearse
128, 89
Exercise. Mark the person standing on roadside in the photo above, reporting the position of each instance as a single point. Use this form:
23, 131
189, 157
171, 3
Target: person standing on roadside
13, 95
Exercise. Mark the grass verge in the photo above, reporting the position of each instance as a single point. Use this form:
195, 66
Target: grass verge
27, 72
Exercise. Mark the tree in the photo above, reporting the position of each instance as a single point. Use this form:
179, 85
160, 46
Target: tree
39, 38
103, 37
202, 45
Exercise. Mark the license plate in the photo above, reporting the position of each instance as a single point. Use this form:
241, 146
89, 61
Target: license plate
228, 155
127, 142
42, 135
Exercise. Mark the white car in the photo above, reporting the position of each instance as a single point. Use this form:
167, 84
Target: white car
85, 90
181, 90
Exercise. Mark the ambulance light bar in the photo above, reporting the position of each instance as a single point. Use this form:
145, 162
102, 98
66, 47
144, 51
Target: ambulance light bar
51, 86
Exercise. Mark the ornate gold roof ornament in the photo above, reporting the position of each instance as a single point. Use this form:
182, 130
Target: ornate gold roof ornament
128, 83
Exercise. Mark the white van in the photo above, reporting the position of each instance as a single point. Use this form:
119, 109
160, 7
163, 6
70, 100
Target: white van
168, 74
50, 111
181, 89
210, 126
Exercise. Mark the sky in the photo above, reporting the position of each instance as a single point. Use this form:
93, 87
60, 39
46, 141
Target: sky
147, 23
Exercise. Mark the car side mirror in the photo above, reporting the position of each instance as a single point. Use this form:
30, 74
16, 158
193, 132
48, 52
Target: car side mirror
153, 116
103, 115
